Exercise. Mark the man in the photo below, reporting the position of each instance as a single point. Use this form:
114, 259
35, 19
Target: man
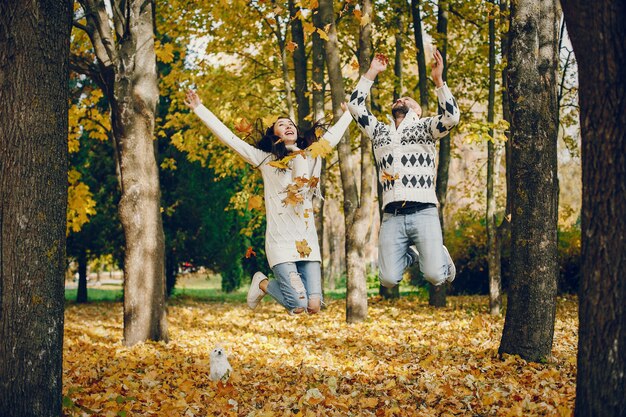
405, 155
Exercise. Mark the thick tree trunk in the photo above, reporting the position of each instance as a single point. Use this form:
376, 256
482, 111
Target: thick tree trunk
134, 106
34, 57
597, 36
437, 295
128, 73
81, 293
421, 54
529, 324
493, 248
357, 211
300, 67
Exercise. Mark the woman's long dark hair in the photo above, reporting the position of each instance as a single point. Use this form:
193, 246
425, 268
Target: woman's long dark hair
269, 142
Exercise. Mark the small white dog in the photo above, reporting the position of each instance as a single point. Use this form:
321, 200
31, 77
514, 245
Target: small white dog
220, 368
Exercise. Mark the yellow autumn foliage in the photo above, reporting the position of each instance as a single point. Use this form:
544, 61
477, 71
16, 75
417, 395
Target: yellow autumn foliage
80, 203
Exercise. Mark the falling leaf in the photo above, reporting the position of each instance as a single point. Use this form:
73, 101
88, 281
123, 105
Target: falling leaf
357, 13
313, 181
255, 202
291, 46
355, 64
308, 28
320, 148
250, 253
365, 19
302, 246
294, 196
300, 181
243, 126
323, 34
388, 177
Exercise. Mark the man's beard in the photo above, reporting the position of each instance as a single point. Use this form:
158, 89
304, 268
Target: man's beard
400, 110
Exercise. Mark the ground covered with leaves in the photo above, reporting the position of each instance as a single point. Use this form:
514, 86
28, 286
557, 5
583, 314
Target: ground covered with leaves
407, 359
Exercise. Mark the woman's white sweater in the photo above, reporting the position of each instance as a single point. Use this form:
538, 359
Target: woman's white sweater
285, 224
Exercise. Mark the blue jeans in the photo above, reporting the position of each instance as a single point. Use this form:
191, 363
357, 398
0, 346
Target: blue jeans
397, 233
296, 283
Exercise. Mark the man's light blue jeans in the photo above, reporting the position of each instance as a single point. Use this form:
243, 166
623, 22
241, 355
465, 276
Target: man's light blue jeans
295, 283
397, 233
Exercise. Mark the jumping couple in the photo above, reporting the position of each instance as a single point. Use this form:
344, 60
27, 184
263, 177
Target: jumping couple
405, 154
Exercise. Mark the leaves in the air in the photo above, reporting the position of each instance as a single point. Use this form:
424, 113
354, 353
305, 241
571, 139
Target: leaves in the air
250, 252
407, 359
243, 126
255, 202
291, 46
294, 195
320, 148
303, 248
385, 176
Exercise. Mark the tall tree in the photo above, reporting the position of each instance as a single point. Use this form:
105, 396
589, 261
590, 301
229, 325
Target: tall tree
437, 295
493, 248
597, 35
420, 54
34, 57
123, 44
533, 60
300, 66
358, 207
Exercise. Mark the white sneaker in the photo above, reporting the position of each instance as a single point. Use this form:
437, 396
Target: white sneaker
451, 268
255, 293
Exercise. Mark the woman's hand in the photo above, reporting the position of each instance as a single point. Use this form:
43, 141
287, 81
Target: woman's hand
192, 100
436, 70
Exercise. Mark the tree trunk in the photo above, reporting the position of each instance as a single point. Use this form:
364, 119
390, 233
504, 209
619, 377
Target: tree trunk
357, 211
397, 63
128, 72
437, 295
300, 67
504, 229
34, 57
529, 324
421, 54
317, 87
81, 293
493, 249
597, 36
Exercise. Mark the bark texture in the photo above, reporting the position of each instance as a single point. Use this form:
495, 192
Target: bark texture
597, 35
34, 76
529, 324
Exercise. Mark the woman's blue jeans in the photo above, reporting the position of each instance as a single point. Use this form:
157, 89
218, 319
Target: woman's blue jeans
295, 283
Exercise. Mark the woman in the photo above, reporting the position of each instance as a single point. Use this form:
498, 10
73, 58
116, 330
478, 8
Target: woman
290, 178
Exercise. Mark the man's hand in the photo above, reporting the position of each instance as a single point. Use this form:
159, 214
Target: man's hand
379, 64
192, 100
436, 70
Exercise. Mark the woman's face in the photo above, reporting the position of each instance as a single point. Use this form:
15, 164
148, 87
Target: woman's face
286, 130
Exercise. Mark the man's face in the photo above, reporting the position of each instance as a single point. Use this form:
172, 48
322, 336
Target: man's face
403, 104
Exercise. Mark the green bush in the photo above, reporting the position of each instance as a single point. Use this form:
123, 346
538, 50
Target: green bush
467, 243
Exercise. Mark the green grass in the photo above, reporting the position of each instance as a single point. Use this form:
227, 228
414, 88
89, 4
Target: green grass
96, 294
212, 293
